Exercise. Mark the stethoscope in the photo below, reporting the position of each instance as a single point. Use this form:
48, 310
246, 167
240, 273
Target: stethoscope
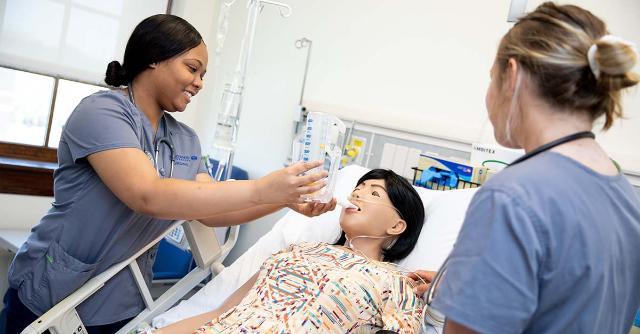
162, 140
432, 317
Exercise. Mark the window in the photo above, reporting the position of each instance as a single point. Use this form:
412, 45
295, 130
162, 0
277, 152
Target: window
70, 39
69, 94
25, 100
53, 53
25, 106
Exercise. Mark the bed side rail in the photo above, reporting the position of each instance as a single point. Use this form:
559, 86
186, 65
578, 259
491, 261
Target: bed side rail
208, 257
208, 254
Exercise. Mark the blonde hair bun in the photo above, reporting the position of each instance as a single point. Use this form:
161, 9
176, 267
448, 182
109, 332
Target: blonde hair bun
612, 55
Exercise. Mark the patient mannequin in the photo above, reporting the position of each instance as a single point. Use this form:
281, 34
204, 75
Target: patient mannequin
349, 286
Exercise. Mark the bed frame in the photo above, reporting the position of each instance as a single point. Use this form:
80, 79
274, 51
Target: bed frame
207, 252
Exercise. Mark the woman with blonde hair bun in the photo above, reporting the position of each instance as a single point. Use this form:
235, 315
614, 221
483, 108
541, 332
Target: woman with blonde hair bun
550, 245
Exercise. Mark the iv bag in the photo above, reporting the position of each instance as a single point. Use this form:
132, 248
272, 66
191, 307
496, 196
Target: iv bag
226, 130
321, 139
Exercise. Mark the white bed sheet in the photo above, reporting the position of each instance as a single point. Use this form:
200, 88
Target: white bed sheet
445, 211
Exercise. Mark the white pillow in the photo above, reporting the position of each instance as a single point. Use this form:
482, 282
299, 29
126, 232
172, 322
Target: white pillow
444, 214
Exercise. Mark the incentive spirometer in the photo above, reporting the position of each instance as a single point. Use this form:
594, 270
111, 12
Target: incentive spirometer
321, 139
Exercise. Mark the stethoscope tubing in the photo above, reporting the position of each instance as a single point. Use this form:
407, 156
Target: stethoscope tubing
552, 144
163, 140
167, 141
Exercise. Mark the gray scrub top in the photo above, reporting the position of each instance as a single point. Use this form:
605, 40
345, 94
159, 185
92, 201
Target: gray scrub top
547, 246
88, 229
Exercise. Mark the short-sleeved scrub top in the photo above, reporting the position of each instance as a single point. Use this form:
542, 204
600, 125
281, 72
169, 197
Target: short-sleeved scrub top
88, 229
547, 246
321, 288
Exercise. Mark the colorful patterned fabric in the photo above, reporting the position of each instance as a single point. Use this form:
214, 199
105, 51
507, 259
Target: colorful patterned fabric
321, 288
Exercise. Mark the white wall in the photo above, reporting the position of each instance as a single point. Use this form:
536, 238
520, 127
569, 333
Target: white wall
379, 60
202, 14
22, 212
416, 65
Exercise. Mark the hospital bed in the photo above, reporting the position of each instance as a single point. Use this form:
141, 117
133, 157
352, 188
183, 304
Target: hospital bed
445, 212
207, 253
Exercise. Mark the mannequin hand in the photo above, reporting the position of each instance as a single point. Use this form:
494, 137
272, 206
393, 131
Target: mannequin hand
418, 276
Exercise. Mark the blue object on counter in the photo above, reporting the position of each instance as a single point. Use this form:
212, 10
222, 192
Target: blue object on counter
637, 322
439, 177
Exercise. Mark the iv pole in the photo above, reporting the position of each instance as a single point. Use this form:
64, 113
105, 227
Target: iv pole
301, 43
302, 111
226, 132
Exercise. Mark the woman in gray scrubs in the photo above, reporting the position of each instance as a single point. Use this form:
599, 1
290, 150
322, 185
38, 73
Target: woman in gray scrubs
113, 195
550, 244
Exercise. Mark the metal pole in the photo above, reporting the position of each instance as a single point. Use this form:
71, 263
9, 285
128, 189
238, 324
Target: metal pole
229, 116
243, 63
301, 43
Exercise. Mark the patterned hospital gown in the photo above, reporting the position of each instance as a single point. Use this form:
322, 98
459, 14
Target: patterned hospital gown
321, 288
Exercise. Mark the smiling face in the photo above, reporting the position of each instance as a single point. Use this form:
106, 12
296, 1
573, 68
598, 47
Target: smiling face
180, 78
375, 216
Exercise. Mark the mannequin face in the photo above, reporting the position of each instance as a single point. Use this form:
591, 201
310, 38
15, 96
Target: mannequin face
178, 79
375, 215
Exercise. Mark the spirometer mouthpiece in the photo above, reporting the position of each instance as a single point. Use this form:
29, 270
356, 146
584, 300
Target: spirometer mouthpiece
350, 198
346, 204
